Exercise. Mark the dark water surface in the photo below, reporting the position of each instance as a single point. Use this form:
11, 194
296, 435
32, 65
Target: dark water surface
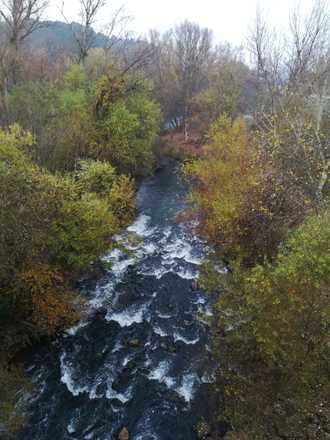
140, 358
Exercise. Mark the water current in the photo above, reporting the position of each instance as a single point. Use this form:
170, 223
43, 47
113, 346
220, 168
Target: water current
139, 358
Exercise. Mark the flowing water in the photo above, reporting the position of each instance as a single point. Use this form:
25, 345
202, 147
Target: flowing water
140, 358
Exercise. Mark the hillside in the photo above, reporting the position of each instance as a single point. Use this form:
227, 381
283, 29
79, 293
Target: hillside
59, 35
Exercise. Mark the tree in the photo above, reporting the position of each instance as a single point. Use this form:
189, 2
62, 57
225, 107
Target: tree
293, 91
181, 58
128, 122
21, 18
229, 89
84, 34
101, 178
192, 46
162, 72
52, 228
242, 201
13, 386
270, 334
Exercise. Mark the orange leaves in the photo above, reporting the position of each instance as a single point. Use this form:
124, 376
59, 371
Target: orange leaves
51, 301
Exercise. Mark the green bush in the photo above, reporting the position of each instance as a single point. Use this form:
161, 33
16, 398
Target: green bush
271, 336
82, 232
52, 228
129, 124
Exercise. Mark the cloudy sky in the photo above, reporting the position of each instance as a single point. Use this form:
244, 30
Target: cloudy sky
229, 19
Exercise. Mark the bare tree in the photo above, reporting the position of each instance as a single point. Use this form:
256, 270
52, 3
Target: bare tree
309, 40
21, 19
181, 59
191, 47
115, 30
294, 73
84, 34
4, 74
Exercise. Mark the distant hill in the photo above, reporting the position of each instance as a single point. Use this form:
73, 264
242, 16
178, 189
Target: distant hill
59, 35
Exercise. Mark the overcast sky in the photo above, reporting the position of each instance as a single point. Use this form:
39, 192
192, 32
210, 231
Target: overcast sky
229, 19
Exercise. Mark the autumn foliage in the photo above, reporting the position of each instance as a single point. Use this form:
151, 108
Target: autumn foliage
240, 198
258, 209
271, 337
53, 228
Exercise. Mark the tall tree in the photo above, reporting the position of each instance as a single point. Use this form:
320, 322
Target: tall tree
181, 59
84, 34
21, 18
294, 87
192, 50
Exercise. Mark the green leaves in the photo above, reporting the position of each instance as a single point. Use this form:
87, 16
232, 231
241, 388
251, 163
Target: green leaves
280, 310
82, 232
127, 135
51, 227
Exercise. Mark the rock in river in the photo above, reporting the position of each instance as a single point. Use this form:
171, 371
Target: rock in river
124, 434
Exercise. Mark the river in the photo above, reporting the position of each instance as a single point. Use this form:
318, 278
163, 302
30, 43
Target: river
139, 358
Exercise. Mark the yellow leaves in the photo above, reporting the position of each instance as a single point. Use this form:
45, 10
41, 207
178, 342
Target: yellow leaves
223, 178
108, 90
51, 301
122, 200
13, 145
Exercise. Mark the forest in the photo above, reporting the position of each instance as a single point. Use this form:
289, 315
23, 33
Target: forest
86, 117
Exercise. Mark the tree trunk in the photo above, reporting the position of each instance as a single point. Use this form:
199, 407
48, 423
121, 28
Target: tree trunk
185, 125
322, 182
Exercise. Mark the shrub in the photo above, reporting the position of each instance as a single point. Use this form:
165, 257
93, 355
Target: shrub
128, 126
241, 200
271, 336
82, 232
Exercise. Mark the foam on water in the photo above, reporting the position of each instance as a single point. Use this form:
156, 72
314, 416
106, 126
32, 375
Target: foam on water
74, 330
187, 387
160, 373
164, 315
140, 226
149, 248
187, 274
160, 271
67, 379
159, 331
182, 249
119, 262
71, 428
132, 315
177, 337
101, 294
127, 359
208, 377
111, 394
120, 267
120, 373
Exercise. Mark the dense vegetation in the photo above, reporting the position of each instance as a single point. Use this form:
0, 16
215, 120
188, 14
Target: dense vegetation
261, 196
271, 336
79, 125
74, 138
